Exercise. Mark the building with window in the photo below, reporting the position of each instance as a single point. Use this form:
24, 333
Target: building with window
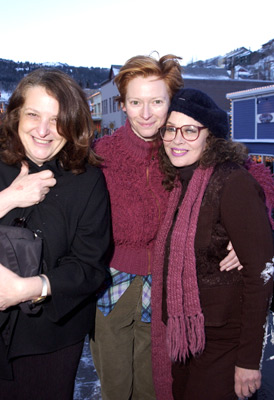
96, 112
216, 82
112, 115
252, 122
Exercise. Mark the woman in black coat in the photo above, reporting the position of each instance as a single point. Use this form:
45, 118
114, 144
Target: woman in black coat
49, 176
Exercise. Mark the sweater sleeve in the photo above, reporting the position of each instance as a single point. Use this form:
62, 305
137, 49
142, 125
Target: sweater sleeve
244, 215
79, 273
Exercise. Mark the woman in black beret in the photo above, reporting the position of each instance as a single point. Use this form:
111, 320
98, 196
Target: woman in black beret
207, 326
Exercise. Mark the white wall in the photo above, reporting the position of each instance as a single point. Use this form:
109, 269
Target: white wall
112, 116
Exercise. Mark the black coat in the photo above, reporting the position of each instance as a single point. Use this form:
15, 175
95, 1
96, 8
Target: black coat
74, 222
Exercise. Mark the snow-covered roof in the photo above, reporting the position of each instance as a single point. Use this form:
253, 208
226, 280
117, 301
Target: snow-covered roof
251, 92
242, 51
115, 69
240, 68
204, 73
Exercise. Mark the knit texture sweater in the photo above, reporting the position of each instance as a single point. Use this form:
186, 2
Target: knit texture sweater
138, 199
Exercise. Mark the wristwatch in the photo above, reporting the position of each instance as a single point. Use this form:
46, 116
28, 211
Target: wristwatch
44, 291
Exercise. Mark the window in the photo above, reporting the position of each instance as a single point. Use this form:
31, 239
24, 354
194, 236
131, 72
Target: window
265, 117
105, 107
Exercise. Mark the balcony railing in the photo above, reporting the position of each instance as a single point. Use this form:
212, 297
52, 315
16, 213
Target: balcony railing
96, 116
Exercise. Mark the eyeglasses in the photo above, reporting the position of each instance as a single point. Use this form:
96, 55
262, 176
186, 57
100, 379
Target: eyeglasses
188, 132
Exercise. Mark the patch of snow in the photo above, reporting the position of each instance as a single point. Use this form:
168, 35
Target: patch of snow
267, 273
4, 96
53, 64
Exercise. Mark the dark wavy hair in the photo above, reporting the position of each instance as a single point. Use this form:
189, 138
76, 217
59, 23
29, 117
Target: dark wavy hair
217, 151
74, 120
167, 68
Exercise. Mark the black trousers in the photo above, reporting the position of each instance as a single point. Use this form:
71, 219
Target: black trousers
45, 377
210, 376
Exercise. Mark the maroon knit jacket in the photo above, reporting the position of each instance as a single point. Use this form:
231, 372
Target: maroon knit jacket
138, 199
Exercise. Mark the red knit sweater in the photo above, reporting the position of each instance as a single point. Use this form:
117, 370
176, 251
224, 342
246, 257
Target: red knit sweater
138, 199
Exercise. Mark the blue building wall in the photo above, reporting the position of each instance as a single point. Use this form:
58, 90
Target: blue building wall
253, 118
252, 122
244, 119
260, 148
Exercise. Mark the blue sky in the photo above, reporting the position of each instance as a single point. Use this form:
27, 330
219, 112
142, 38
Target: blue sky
104, 32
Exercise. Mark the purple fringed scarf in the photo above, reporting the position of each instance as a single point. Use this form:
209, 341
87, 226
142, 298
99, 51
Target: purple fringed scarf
185, 326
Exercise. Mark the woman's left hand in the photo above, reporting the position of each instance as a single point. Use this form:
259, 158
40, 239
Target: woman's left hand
247, 381
9, 288
231, 261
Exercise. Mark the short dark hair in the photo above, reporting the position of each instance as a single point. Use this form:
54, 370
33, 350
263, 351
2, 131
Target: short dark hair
74, 120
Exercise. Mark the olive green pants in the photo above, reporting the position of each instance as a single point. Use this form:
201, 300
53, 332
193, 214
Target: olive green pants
121, 349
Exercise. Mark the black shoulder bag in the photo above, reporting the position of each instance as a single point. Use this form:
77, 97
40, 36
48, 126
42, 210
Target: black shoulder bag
21, 252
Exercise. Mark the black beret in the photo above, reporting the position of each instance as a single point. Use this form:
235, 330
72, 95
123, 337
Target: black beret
199, 106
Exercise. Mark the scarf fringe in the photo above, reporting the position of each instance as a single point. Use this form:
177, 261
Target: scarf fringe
185, 336
196, 336
177, 345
